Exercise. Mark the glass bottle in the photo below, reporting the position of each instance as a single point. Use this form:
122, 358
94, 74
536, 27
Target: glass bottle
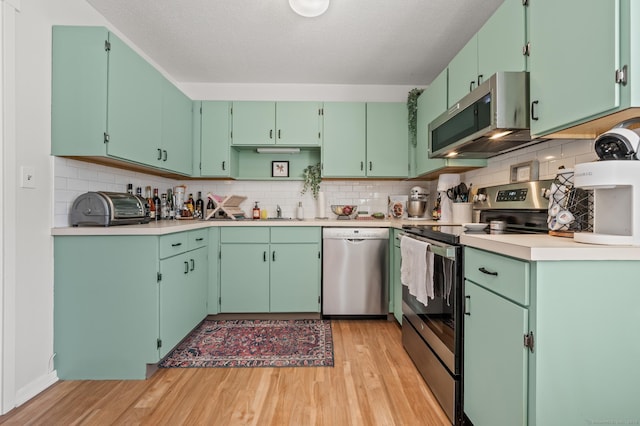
152, 206
157, 204
164, 207
199, 209
210, 207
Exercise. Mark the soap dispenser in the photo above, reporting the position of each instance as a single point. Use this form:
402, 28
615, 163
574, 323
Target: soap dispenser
300, 211
256, 211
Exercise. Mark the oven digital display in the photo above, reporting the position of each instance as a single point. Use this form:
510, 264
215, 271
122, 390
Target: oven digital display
512, 195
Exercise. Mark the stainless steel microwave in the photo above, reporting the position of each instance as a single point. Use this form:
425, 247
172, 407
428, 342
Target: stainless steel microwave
490, 120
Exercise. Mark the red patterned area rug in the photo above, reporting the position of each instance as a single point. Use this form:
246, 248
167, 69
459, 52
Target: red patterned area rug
255, 343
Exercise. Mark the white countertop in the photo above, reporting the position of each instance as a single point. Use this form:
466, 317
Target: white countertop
163, 227
539, 247
533, 247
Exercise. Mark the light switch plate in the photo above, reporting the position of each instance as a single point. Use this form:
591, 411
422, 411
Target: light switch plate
27, 177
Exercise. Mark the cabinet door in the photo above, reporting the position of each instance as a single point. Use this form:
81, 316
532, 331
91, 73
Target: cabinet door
177, 127
501, 39
78, 91
574, 53
298, 123
244, 278
431, 103
197, 286
214, 148
254, 123
135, 106
344, 144
174, 296
295, 278
495, 360
387, 140
463, 72
213, 293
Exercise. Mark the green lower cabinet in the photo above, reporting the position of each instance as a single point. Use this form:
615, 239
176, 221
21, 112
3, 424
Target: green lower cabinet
244, 277
295, 278
579, 367
183, 296
495, 366
213, 298
273, 269
105, 306
122, 302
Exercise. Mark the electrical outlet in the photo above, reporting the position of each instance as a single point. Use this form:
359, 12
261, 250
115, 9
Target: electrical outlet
27, 177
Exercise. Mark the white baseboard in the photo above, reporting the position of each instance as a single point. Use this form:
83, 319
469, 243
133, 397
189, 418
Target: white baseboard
34, 388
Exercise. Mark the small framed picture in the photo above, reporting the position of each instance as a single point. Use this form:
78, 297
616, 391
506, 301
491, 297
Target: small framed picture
279, 169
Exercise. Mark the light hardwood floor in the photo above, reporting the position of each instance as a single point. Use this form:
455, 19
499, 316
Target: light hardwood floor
373, 382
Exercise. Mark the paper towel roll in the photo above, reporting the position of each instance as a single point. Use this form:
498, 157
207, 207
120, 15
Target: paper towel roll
321, 206
447, 180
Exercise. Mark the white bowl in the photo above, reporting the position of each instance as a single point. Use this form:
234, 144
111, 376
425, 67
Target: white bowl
475, 226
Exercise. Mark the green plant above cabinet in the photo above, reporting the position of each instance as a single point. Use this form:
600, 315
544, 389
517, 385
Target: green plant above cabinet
111, 106
276, 123
607, 72
497, 46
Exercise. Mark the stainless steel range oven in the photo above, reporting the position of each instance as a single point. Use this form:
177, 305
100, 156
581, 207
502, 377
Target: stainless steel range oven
433, 334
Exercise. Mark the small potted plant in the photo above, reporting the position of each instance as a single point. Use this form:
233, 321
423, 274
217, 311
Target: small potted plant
312, 177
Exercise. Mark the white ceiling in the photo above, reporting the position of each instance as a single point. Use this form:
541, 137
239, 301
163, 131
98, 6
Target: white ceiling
378, 42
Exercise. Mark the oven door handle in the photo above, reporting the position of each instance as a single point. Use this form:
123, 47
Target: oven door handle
437, 248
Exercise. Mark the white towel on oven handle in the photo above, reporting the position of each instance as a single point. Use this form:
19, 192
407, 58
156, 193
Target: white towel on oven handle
416, 268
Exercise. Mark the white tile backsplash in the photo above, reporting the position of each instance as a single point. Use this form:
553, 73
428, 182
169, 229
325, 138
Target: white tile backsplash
73, 178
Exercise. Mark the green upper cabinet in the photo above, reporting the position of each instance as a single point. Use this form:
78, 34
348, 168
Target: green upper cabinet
135, 102
497, 46
431, 103
177, 130
276, 123
345, 139
463, 71
298, 123
79, 91
387, 140
365, 140
607, 31
108, 102
215, 139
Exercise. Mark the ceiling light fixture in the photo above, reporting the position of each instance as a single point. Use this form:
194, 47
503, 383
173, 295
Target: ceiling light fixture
278, 150
309, 8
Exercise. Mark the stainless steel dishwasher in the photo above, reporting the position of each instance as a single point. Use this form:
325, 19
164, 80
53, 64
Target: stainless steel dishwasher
355, 278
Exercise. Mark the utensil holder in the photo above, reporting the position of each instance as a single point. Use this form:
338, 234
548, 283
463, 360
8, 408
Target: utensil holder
461, 212
567, 201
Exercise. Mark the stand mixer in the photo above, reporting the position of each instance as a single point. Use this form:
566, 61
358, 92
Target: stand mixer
417, 204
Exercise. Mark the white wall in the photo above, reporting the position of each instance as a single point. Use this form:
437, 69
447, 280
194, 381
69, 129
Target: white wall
32, 258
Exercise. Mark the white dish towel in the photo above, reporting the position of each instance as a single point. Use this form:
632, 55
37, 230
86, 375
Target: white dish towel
416, 269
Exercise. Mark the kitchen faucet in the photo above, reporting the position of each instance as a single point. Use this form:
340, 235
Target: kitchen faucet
278, 211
